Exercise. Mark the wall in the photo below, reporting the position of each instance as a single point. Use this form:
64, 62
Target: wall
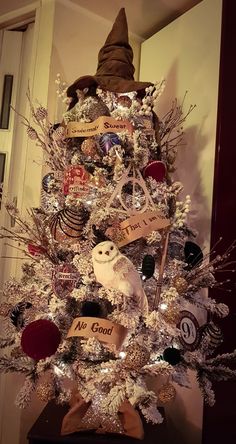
78, 36
186, 53
11, 5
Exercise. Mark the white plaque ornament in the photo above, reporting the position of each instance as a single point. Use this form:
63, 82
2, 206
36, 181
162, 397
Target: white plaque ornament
189, 330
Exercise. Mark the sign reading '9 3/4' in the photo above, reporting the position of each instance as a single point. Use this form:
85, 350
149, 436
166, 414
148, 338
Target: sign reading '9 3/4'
189, 330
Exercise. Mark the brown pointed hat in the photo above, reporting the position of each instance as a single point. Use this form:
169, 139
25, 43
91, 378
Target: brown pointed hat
115, 69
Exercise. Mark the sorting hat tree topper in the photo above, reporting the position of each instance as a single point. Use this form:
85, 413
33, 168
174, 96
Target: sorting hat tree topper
112, 268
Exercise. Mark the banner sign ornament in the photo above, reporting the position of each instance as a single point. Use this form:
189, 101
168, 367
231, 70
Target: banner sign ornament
101, 125
99, 328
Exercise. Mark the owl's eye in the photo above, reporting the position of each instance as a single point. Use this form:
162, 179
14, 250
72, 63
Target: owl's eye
100, 252
112, 248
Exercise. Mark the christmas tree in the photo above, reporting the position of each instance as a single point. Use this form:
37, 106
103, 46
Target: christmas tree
111, 262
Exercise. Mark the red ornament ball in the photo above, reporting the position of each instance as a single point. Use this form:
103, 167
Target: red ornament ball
36, 250
40, 339
155, 169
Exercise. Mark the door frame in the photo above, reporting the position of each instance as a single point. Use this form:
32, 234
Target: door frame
42, 13
219, 420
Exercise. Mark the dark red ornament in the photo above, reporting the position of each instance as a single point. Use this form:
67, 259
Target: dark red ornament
35, 250
155, 169
40, 339
76, 181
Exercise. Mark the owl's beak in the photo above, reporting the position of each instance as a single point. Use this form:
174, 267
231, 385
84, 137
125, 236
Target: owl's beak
107, 253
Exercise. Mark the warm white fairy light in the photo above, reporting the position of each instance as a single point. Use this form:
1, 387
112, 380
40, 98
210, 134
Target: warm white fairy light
122, 355
58, 371
163, 306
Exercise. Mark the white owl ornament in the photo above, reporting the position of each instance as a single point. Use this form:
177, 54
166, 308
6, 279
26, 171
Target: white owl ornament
114, 270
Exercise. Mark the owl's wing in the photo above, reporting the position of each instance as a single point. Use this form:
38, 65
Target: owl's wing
123, 266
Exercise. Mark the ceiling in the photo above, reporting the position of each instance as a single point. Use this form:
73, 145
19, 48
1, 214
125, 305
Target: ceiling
145, 17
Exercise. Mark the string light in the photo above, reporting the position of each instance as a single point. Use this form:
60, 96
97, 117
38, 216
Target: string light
122, 355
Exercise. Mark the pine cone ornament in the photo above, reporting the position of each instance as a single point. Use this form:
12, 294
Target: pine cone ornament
31, 133
59, 133
41, 113
136, 357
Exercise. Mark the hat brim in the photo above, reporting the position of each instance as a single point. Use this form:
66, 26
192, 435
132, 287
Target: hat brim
109, 83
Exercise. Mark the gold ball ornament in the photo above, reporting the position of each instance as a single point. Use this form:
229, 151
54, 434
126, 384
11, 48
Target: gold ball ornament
124, 101
136, 357
5, 309
45, 391
166, 393
180, 284
90, 149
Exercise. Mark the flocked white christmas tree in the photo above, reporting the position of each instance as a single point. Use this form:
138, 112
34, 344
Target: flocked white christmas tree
111, 262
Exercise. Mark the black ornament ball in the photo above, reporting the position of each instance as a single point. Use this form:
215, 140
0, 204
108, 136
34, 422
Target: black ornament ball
99, 235
91, 309
172, 356
148, 266
193, 254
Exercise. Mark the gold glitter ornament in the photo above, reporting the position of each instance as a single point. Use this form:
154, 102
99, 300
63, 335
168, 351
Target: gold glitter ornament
102, 422
180, 284
90, 149
171, 314
136, 356
5, 309
95, 108
166, 393
45, 391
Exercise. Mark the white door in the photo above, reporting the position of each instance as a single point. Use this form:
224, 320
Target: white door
15, 60
9, 71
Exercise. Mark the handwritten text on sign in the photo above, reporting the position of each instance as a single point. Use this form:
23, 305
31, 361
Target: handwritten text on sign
137, 226
102, 329
101, 125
